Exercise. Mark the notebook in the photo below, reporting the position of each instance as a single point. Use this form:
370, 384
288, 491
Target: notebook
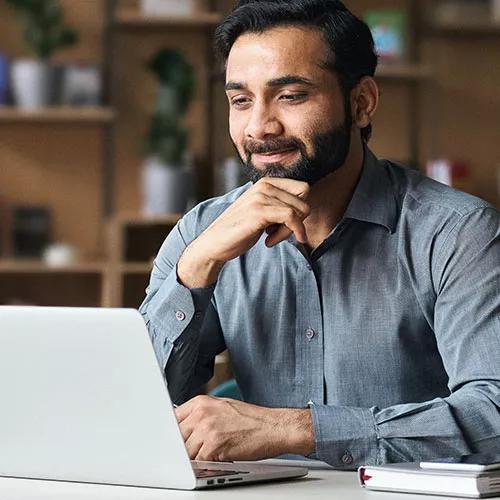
442, 477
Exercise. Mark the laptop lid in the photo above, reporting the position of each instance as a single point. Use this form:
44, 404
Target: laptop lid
84, 399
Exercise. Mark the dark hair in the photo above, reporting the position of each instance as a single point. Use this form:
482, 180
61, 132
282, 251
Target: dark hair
351, 52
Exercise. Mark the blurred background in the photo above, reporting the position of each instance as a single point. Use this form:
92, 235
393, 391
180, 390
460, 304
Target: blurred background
113, 122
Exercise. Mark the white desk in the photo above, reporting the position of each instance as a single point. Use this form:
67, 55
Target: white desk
319, 484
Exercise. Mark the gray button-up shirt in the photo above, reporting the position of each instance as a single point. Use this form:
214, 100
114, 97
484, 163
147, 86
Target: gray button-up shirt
389, 330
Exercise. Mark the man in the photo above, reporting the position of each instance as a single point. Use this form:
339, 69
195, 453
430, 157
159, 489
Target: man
359, 300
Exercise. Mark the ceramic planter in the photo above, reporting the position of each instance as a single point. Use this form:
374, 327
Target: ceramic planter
169, 7
31, 83
166, 189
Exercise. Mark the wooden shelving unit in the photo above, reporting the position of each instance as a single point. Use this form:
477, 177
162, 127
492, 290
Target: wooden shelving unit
409, 72
37, 267
63, 115
134, 19
69, 145
133, 241
35, 283
136, 268
120, 277
465, 28
137, 219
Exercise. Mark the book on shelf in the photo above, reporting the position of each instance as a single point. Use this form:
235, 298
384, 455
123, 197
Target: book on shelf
389, 31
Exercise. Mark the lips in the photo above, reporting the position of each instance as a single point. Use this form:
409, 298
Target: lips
275, 155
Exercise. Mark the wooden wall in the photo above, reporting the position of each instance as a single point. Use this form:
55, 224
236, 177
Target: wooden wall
56, 165
59, 165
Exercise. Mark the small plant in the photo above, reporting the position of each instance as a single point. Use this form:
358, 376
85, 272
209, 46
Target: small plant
44, 29
167, 137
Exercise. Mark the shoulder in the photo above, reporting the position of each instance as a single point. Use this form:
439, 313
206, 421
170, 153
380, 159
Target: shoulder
431, 208
419, 193
433, 215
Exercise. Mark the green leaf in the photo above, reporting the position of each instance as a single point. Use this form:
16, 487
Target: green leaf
44, 29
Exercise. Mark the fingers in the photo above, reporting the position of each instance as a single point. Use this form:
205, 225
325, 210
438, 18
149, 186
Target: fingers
296, 188
187, 428
195, 417
287, 217
281, 234
183, 411
187, 425
193, 445
288, 210
285, 197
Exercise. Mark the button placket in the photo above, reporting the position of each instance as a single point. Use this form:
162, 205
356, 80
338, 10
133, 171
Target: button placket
309, 342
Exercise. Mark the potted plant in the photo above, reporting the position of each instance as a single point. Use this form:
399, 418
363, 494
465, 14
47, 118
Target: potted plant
166, 170
44, 32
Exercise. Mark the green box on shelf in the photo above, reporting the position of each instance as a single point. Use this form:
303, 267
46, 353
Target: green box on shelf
389, 30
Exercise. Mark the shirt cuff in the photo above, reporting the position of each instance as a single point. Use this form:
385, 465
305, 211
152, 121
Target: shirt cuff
345, 437
173, 307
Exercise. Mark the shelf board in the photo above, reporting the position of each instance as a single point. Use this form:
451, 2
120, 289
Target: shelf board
136, 268
411, 72
466, 28
138, 219
135, 19
59, 114
38, 267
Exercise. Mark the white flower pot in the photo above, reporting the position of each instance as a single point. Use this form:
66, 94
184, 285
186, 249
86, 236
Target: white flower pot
31, 83
168, 7
495, 10
166, 189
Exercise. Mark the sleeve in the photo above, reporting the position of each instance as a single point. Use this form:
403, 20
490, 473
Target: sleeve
183, 324
467, 328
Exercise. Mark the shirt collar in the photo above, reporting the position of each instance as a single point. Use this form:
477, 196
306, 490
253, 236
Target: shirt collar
373, 199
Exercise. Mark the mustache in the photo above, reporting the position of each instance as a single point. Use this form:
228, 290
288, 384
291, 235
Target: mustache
272, 146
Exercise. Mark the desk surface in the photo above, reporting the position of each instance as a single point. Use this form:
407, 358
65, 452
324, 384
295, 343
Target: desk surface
319, 484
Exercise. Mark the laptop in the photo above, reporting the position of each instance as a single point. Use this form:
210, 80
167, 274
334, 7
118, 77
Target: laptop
84, 399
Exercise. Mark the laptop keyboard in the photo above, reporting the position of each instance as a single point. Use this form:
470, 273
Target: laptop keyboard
202, 473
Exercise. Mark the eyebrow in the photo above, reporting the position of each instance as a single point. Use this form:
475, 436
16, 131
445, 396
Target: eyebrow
275, 82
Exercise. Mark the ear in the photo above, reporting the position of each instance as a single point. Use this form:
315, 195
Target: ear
364, 101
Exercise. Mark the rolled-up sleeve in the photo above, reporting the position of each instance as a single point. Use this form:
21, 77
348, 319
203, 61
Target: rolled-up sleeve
467, 328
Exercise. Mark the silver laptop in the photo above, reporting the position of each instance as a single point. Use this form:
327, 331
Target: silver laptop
83, 398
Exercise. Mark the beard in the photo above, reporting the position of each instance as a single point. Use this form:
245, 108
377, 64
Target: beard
330, 150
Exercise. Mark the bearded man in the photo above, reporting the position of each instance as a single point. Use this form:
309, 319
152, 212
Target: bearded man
359, 300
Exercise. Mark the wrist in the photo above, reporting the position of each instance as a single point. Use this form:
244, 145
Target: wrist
196, 270
296, 434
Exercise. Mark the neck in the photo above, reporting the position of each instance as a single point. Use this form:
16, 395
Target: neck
330, 196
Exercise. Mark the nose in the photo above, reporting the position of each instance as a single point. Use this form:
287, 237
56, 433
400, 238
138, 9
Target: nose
262, 122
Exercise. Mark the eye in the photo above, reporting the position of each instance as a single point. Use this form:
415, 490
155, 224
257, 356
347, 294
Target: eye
293, 97
239, 102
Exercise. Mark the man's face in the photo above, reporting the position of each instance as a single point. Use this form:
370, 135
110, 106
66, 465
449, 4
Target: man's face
287, 115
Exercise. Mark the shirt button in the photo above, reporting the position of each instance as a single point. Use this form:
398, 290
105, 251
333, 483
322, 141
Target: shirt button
309, 267
310, 403
180, 316
310, 333
347, 458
